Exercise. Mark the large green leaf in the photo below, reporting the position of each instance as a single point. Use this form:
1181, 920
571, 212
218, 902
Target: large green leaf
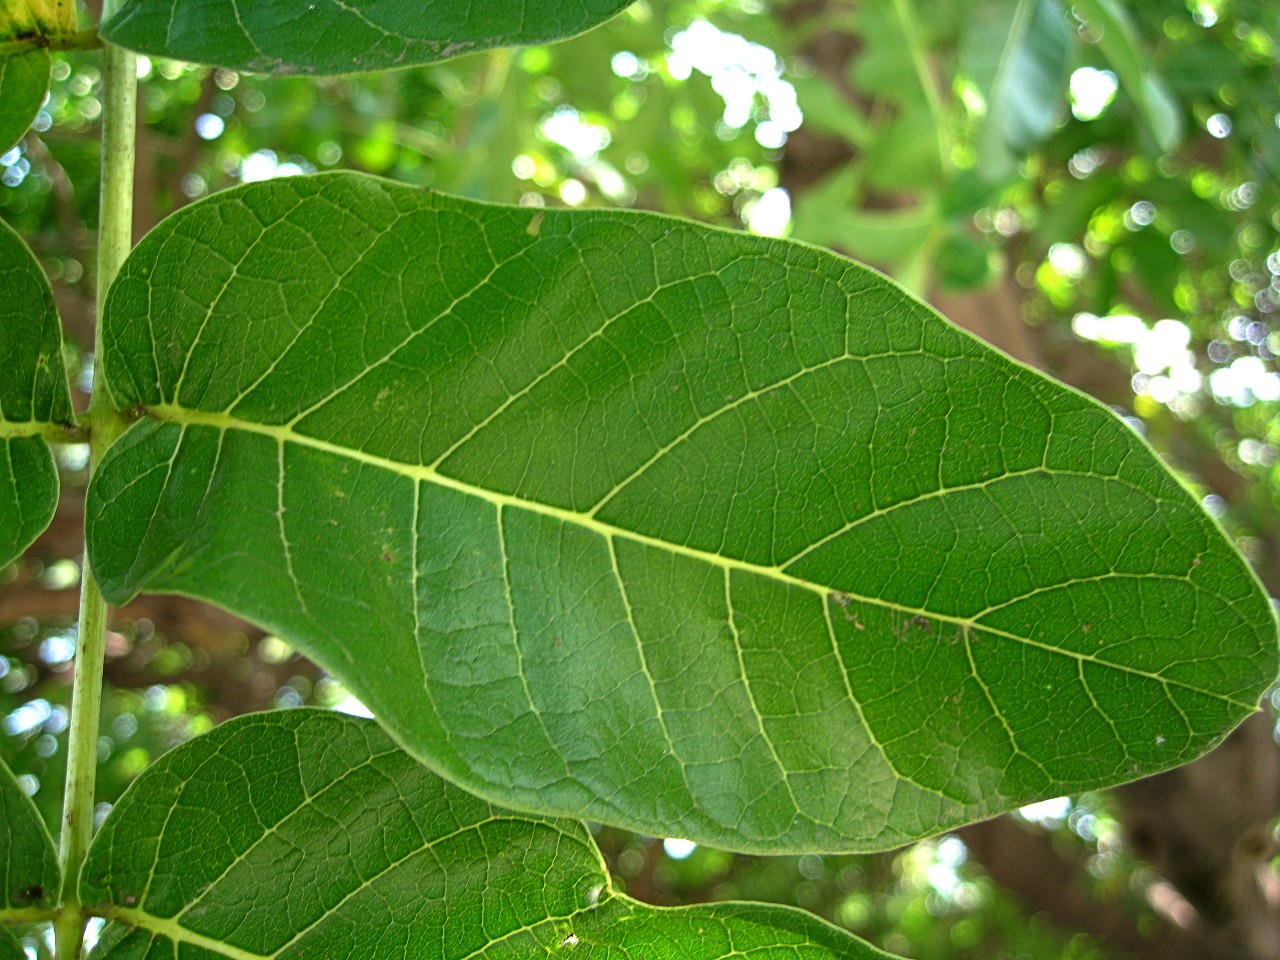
331, 37
1018, 54
28, 862
306, 833
33, 396
24, 81
618, 516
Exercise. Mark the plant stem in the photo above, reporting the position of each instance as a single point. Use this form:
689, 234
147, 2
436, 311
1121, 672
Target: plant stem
115, 233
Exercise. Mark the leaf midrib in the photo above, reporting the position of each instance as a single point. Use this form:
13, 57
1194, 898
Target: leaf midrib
174, 931
19, 429
184, 417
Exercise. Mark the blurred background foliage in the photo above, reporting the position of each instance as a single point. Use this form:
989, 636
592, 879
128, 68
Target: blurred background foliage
1093, 187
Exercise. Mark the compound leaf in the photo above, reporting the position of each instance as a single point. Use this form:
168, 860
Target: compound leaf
308, 833
33, 396
612, 515
28, 862
332, 37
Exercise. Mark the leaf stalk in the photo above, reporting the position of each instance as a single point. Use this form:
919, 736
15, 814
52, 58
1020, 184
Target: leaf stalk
80, 40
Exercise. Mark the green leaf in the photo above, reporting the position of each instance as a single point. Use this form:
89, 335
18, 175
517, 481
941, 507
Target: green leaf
1018, 54
24, 81
1156, 264
613, 515
828, 214
24, 74
301, 36
1119, 43
827, 112
962, 261
10, 949
33, 396
28, 863
306, 833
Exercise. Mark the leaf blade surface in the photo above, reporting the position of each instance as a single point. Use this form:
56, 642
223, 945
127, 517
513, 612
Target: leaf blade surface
24, 81
331, 37
33, 396
10, 949
564, 497
310, 833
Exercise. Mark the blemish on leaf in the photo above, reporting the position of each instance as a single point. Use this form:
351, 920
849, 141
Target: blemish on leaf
570, 941
843, 600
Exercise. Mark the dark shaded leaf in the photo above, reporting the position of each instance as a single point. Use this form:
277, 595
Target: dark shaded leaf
24, 81
1018, 54
1120, 45
33, 396
28, 861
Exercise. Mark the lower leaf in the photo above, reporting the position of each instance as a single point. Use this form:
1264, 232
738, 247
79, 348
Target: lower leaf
28, 471
309, 834
33, 383
10, 949
28, 863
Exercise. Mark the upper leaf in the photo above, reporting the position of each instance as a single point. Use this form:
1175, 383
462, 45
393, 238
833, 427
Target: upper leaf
28, 862
619, 516
1119, 43
306, 833
1018, 54
33, 396
332, 37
